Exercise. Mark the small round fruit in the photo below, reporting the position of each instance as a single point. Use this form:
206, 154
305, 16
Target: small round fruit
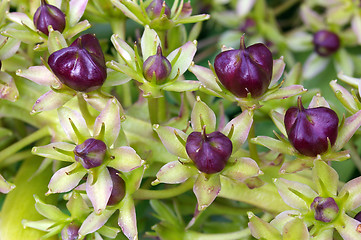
209, 152
157, 66
326, 43
81, 66
311, 130
90, 153
47, 15
246, 70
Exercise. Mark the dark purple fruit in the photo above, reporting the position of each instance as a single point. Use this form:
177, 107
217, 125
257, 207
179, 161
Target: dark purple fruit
81, 66
157, 66
247, 70
154, 9
70, 232
209, 152
118, 191
90, 153
310, 129
47, 15
325, 209
326, 43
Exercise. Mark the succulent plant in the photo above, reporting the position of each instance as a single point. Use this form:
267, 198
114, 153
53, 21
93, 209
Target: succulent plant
209, 152
311, 130
326, 42
155, 9
246, 70
118, 190
325, 209
81, 66
47, 15
157, 66
90, 153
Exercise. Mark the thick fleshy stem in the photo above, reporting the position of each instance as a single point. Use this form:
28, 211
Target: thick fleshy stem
43, 132
265, 197
142, 194
157, 110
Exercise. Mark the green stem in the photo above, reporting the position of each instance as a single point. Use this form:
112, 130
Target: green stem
157, 110
216, 236
142, 194
118, 27
265, 197
251, 146
126, 95
7, 152
83, 106
153, 110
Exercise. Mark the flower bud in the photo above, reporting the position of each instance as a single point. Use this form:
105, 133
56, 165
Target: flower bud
310, 130
155, 9
118, 191
157, 66
325, 209
81, 66
326, 43
70, 232
47, 15
90, 153
247, 70
209, 152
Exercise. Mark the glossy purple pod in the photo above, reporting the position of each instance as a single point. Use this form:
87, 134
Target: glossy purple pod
118, 190
90, 153
246, 70
326, 43
157, 66
155, 9
209, 152
308, 130
47, 15
81, 66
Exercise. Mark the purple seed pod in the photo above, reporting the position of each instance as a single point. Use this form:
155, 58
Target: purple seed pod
70, 232
155, 9
118, 191
325, 209
326, 43
209, 152
81, 66
90, 153
47, 15
310, 129
247, 70
158, 66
